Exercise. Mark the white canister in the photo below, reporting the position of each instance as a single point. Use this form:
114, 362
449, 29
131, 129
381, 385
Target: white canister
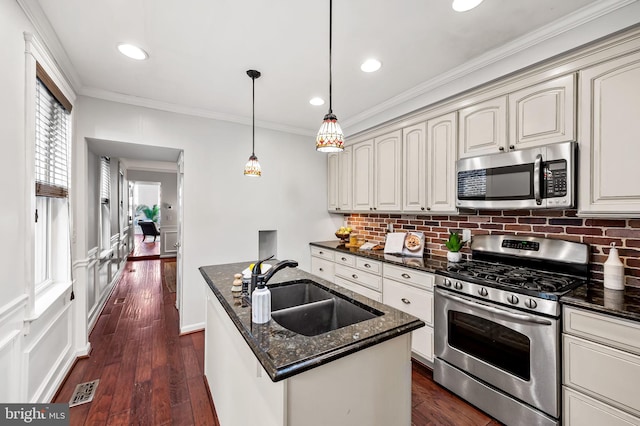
261, 305
613, 270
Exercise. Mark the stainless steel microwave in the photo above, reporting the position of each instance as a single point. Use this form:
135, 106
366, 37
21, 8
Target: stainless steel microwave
533, 178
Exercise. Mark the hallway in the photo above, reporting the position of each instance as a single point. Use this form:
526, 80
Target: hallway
149, 375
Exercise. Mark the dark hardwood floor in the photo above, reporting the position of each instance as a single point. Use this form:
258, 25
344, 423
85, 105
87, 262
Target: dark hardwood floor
150, 375
145, 248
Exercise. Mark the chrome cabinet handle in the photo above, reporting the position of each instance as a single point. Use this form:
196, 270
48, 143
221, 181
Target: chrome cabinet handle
355, 277
366, 265
344, 259
406, 301
406, 276
320, 269
512, 147
501, 148
320, 252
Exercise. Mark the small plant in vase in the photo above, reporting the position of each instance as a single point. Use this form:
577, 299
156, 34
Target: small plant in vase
454, 245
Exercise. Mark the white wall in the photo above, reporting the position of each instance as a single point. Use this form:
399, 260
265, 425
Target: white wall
223, 209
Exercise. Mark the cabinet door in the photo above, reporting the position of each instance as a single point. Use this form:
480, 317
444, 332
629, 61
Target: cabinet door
344, 184
543, 114
388, 177
332, 181
483, 127
323, 268
441, 161
363, 176
609, 128
414, 167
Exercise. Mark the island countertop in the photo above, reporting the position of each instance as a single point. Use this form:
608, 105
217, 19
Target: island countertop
284, 353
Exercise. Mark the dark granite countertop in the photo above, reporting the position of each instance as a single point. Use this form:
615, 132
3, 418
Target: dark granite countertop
594, 297
284, 353
425, 264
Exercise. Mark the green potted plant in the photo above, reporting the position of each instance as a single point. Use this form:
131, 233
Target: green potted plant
454, 245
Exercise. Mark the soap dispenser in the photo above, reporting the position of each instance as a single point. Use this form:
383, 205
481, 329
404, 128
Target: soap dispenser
261, 304
613, 270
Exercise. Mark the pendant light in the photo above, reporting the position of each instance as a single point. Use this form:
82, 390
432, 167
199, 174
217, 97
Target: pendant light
252, 168
330, 137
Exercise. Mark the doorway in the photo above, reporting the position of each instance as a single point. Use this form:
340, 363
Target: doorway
147, 219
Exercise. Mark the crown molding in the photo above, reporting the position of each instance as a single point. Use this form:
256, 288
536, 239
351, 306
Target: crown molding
93, 92
580, 17
50, 42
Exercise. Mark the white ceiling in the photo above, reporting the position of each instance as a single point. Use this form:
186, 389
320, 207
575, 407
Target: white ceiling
200, 49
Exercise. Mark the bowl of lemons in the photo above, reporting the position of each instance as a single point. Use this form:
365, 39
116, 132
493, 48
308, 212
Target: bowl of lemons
343, 233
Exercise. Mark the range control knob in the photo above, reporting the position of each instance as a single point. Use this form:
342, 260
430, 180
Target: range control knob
483, 292
530, 303
447, 282
513, 299
458, 285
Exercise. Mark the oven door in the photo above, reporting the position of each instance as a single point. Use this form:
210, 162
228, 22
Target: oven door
514, 351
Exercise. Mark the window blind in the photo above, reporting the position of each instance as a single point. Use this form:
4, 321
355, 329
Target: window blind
53, 129
105, 179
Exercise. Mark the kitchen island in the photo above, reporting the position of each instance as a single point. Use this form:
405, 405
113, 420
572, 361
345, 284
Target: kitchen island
269, 375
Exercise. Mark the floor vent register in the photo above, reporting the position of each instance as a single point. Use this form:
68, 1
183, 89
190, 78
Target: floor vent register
83, 393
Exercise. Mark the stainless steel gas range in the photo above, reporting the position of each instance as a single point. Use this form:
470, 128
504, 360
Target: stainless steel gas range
497, 325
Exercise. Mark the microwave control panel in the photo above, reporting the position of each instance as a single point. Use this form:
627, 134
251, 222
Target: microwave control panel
555, 178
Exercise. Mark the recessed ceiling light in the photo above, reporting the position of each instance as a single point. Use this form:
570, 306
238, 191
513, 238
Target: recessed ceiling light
464, 5
133, 52
371, 65
316, 101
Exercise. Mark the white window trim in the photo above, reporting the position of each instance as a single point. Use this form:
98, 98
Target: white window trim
40, 295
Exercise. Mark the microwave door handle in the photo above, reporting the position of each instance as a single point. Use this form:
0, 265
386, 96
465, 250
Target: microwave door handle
485, 307
537, 190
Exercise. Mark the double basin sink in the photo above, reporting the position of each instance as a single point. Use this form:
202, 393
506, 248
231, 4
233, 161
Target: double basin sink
306, 307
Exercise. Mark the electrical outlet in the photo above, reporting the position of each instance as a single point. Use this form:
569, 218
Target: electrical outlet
466, 234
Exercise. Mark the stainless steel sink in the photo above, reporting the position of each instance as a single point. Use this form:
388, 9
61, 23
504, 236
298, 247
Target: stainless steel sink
308, 309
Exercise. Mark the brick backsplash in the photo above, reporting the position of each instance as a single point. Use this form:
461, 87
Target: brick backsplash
560, 224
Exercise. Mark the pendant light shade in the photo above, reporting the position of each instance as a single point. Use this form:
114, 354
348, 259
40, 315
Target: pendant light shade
330, 137
252, 168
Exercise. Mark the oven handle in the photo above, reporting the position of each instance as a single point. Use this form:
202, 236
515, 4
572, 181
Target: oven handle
521, 317
537, 190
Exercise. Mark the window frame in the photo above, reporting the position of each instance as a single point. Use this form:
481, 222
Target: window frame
41, 295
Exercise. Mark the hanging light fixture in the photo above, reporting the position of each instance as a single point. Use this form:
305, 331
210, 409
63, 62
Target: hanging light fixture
252, 168
330, 137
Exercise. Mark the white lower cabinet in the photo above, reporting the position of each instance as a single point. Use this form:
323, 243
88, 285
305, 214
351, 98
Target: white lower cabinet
601, 369
411, 291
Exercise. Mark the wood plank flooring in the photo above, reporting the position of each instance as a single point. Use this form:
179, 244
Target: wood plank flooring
149, 375
145, 248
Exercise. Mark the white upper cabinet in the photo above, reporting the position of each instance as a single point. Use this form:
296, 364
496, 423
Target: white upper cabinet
483, 127
609, 128
388, 176
441, 163
363, 176
542, 114
339, 181
414, 168
377, 178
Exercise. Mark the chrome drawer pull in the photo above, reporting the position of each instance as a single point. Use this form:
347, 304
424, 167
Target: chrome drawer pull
320, 269
407, 276
320, 252
344, 259
366, 265
355, 277
406, 301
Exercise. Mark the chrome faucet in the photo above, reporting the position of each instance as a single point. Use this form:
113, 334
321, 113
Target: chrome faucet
259, 279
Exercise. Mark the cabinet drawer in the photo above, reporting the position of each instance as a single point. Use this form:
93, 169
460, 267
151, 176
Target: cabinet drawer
412, 300
366, 279
322, 252
422, 342
368, 265
605, 329
579, 410
366, 292
409, 276
607, 374
323, 268
345, 259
